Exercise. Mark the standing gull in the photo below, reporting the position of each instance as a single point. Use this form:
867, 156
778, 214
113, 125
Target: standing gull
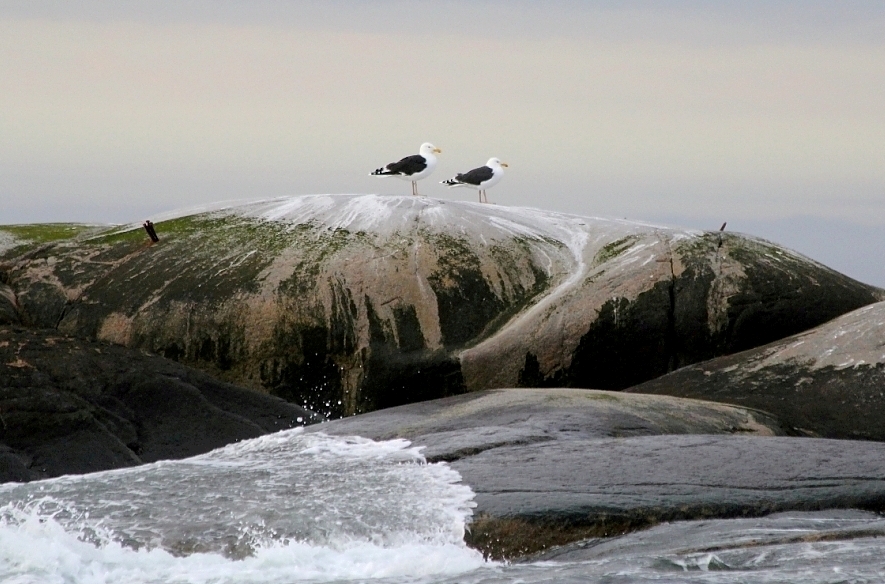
414, 167
480, 178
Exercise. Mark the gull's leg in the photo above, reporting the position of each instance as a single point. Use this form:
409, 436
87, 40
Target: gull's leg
414, 188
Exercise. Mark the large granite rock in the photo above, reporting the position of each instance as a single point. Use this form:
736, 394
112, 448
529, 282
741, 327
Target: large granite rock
552, 466
353, 303
829, 381
69, 407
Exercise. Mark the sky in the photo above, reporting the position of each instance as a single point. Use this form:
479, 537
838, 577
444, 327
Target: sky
768, 115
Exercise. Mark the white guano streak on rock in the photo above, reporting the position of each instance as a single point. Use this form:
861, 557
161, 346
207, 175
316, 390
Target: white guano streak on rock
385, 278
383, 216
554, 325
8, 241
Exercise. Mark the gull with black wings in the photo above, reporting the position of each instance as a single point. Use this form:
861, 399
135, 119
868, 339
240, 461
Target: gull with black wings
412, 168
480, 178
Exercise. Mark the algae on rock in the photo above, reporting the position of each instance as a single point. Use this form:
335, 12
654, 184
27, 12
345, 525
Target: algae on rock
350, 303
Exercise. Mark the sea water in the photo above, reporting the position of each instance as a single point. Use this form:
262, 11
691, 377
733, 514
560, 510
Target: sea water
305, 507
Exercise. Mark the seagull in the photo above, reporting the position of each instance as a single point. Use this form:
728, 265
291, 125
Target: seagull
480, 178
414, 167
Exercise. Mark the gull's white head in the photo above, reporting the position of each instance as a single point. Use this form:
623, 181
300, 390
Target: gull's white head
493, 162
428, 148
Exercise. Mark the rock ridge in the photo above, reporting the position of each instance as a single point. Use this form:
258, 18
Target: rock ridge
351, 303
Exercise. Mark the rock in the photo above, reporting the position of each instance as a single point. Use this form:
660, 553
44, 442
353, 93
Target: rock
553, 466
14, 466
19, 243
8, 307
729, 544
829, 381
456, 427
353, 303
538, 496
70, 406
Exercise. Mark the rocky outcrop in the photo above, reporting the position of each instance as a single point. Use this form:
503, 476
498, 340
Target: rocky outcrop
552, 466
829, 381
349, 304
69, 407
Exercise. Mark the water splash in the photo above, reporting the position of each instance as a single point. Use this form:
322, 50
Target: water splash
280, 508
290, 508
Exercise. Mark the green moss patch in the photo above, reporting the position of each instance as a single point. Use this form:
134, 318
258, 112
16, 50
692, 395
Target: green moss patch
612, 250
29, 236
46, 232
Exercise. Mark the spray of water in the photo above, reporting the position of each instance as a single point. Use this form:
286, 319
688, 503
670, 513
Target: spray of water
281, 508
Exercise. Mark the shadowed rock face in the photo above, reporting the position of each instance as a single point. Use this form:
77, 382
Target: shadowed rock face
70, 407
829, 381
8, 309
348, 304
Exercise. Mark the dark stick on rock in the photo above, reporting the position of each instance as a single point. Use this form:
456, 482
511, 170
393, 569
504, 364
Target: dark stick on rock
149, 227
721, 229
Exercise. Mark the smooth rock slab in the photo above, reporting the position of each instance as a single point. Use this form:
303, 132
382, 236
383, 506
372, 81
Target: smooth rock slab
462, 426
536, 496
828, 381
560, 465
782, 547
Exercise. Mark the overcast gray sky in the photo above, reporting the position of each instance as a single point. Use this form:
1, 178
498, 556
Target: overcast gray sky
768, 115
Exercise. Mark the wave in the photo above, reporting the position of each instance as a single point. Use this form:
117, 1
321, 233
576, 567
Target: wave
280, 508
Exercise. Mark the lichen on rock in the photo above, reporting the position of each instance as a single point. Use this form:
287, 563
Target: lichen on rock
351, 303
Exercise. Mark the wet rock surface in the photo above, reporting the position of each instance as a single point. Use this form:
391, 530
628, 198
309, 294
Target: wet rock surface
70, 406
538, 496
352, 303
463, 426
729, 544
828, 381
552, 466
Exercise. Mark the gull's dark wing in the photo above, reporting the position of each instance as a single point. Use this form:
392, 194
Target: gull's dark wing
475, 176
408, 166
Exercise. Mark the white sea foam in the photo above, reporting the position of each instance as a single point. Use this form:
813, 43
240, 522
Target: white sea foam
281, 508
41, 551
290, 507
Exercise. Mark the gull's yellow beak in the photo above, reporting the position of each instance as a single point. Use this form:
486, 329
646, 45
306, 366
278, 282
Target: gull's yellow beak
505, 165
437, 150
